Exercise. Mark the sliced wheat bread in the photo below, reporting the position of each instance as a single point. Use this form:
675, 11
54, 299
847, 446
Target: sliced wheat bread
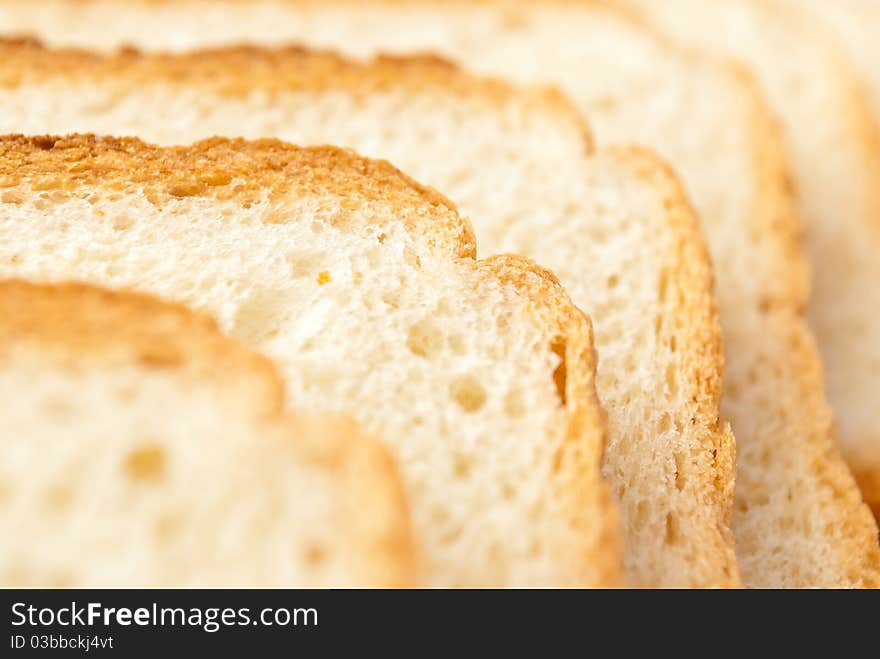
363, 287
709, 117
614, 226
140, 447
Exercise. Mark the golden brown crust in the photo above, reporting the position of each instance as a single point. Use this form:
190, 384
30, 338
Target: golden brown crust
869, 484
238, 70
76, 323
579, 479
248, 171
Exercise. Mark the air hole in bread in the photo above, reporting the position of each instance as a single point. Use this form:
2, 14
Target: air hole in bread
658, 324
513, 20
258, 316
513, 403
166, 527
276, 216
468, 393
392, 299
412, 258
461, 466
613, 281
125, 393
303, 264
672, 529
375, 257
679, 471
55, 196
671, 379
535, 549
315, 554
560, 375
146, 463
121, 223
424, 339
58, 497
662, 286
159, 356
57, 408
11, 197
457, 344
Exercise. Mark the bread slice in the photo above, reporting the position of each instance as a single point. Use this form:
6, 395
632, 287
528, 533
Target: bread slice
143, 448
856, 25
833, 143
363, 287
708, 116
614, 226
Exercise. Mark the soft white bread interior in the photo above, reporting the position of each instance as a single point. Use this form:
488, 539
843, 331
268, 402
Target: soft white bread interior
141, 447
613, 225
362, 285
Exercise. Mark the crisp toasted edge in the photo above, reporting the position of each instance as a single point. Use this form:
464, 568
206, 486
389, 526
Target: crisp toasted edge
81, 324
78, 163
237, 70
580, 459
229, 168
375, 500
692, 278
76, 320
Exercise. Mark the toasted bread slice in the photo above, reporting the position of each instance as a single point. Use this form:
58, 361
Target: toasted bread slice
613, 225
833, 145
856, 24
709, 117
141, 447
363, 287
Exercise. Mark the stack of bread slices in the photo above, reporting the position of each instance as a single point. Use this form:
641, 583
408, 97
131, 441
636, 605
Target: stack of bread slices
439, 294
